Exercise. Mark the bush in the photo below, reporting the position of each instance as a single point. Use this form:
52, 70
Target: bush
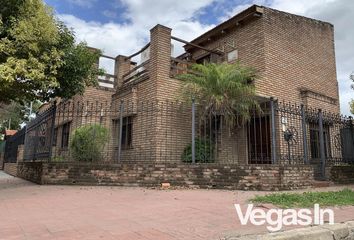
88, 142
204, 152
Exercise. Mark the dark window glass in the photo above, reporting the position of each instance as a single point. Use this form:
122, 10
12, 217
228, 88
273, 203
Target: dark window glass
65, 135
55, 136
127, 132
315, 141
210, 58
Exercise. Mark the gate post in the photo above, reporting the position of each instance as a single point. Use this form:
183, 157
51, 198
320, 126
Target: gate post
272, 108
304, 134
193, 130
351, 160
322, 144
121, 109
52, 130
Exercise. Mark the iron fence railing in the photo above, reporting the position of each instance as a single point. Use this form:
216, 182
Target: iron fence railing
11, 146
151, 131
39, 135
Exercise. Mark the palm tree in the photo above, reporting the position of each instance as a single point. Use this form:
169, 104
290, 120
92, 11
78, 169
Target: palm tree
222, 89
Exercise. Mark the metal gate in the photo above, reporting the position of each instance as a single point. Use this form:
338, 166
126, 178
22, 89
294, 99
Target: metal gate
39, 135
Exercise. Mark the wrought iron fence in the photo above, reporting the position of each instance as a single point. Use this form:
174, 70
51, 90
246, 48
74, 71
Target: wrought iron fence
11, 145
39, 135
279, 133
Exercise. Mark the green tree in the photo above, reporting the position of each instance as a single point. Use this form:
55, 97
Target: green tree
88, 142
14, 114
38, 55
225, 89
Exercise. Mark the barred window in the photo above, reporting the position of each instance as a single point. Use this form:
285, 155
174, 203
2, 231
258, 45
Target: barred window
55, 136
65, 135
315, 141
127, 130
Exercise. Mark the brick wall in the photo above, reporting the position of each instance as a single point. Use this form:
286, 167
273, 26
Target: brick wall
31, 171
294, 57
10, 168
265, 177
342, 174
299, 54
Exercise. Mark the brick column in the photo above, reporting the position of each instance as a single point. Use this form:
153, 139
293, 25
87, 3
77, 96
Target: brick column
160, 54
122, 66
20, 153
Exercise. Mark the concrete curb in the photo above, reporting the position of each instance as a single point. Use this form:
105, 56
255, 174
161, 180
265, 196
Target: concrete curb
338, 231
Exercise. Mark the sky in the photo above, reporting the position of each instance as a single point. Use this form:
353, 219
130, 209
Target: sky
122, 26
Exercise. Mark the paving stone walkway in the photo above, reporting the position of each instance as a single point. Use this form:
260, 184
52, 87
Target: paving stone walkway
29, 211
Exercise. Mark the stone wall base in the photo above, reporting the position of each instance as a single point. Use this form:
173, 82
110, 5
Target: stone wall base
342, 174
245, 177
10, 168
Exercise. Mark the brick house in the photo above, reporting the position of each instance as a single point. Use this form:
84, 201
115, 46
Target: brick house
294, 57
68, 117
295, 60
151, 130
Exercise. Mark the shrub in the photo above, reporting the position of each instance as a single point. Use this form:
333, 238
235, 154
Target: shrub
88, 142
204, 152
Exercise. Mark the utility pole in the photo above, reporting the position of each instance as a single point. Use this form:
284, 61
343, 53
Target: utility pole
30, 113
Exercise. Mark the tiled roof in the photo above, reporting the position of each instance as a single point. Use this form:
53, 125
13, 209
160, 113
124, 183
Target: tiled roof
10, 132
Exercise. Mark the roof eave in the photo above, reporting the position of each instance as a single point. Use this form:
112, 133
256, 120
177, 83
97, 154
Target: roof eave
252, 11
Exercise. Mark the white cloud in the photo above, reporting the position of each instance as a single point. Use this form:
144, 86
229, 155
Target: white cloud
128, 38
301, 7
109, 13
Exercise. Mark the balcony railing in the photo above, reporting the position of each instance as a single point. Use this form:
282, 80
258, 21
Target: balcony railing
179, 66
137, 73
106, 80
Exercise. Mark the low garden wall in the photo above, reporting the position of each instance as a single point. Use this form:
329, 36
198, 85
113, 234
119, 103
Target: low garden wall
10, 168
246, 177
342, 174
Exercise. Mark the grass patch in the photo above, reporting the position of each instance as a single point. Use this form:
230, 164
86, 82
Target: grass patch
308, 199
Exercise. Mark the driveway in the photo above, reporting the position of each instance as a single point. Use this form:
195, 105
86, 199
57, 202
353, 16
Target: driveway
29, 211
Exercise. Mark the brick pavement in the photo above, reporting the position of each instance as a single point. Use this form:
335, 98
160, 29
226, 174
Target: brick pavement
29, 211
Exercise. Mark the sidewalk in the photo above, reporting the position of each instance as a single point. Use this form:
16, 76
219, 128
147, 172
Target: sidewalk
29, 211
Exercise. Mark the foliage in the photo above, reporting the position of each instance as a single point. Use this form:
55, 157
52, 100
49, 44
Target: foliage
88, 142
226, 89
58, 159
308, 199
14, 114
38, 55
204, 152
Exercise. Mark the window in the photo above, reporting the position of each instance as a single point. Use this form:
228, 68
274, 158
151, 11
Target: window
65, 135
209, 58
55, 137
315, 141
232, 56
127, 132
